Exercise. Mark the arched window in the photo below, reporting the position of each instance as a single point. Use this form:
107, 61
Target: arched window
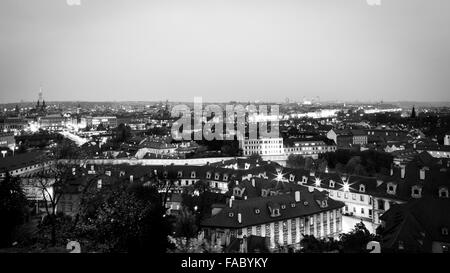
362, 188
443, 192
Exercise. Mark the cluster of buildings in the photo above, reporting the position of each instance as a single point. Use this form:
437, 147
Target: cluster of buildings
278, 206
278, 149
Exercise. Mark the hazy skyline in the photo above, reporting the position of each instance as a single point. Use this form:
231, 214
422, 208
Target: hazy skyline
225, 50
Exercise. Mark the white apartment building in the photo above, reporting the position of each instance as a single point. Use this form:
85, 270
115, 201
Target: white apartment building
263, 146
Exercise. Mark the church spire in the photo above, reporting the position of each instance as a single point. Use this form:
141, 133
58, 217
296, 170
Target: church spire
413, 112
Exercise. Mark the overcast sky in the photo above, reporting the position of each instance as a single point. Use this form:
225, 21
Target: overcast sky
225, 50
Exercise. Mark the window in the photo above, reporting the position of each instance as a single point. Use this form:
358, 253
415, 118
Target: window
416, 191
291, 177
370, 213
443, 192
391, 187
353, 196
444, 231
275, 212
362, 188
362, 210
361, 198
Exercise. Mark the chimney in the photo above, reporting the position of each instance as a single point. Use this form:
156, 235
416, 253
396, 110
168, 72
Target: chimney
131, 178
402, 172
297, 196
392, 171
240, 218
231, 201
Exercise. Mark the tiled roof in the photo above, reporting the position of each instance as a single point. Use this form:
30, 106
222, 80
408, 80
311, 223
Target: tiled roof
21, 160
256, 211
420, 220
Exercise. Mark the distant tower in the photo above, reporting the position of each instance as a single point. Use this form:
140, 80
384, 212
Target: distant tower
40, 93
39, 97
413, 112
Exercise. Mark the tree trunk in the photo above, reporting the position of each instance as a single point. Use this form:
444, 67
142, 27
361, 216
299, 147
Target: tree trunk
53, 230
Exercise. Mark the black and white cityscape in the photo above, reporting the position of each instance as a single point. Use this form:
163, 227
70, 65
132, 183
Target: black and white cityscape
213, 126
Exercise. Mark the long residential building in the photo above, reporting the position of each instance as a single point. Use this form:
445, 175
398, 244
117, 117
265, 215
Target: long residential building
283, 218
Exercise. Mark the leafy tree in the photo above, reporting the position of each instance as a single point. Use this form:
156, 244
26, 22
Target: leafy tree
186, 230
295, 161
255, 157
356, 240
52, 180
122, 133
13, 209
124, 218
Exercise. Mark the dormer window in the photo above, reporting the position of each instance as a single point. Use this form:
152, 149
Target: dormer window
416, 191
331, 184
273, 193
264, 193
291, 177
304, 179
230, 214
391, 188
165, 174
193, 174
443, 192
180, 174
362, 188
208, 175
225, 177
292, 205
216, 176
283, 206
257, 211
275, 212
444, 231
237, 192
